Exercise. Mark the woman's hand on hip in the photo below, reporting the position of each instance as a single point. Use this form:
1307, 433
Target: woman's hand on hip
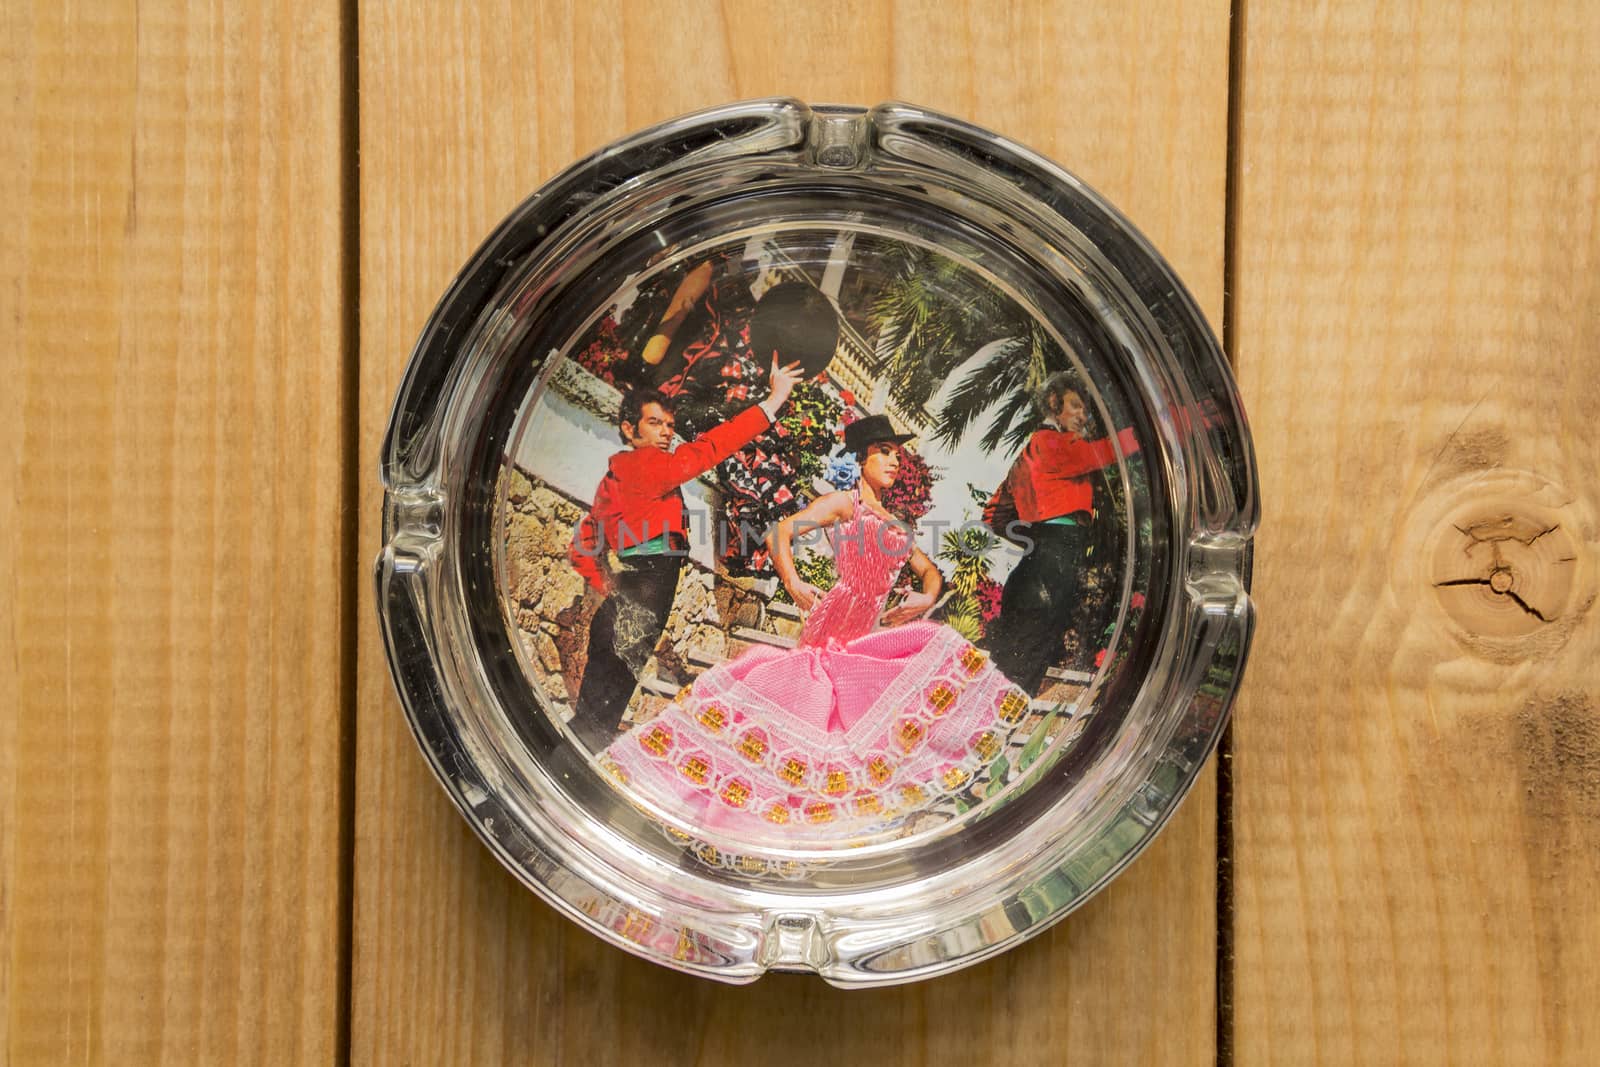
803, 593
913, 606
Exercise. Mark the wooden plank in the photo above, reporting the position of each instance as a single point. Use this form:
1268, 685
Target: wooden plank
464, 112
173, 428
1417, 763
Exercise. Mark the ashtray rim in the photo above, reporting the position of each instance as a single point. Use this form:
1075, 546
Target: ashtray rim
1217, 566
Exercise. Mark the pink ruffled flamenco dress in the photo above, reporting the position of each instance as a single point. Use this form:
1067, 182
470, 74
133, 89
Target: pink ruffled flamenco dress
855, 728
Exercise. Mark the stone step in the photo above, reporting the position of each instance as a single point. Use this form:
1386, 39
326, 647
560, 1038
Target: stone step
658, 686
784, 610
1061, 674
700, 658
751, 636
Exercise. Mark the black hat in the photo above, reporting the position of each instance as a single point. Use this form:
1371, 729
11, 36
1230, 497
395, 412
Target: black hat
869, 431
798, 322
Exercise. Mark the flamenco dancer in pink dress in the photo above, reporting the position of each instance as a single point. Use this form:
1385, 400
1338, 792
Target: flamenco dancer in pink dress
857, 727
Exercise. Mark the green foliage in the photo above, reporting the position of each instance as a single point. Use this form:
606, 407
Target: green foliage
997, 776
809, 428
967, 549
963, 619
812, 567
1037, 741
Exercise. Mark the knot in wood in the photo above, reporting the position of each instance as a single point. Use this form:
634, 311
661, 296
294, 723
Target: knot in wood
1505, 570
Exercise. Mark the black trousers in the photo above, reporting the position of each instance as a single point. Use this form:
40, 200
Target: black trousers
622, 637
1039, 603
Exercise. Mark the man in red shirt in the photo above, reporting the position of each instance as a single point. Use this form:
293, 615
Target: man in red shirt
1048, 488
640, 515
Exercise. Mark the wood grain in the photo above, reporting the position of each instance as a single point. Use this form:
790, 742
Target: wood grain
464, 112
1417, 758
173, 427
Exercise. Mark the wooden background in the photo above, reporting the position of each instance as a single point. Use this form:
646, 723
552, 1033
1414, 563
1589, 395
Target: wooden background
226, 224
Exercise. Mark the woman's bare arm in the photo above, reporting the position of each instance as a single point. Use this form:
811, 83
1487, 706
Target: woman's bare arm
826, 510
918, 603
928, 572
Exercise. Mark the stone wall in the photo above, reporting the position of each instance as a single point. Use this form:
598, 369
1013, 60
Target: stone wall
547, 596
552, 605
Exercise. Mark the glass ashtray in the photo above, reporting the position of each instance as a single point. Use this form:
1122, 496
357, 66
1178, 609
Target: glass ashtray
816, 539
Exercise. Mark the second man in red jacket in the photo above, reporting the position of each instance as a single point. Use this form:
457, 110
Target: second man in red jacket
1048, 488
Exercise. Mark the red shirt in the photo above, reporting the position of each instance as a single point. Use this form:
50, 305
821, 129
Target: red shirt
639, 499
1048, 478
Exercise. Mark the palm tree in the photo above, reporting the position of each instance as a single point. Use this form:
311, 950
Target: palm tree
931, 316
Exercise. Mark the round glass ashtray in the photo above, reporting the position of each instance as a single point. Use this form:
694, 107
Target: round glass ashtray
817, 539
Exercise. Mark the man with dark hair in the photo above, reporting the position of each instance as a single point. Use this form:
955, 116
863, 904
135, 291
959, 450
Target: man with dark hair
639, 515
1049, 489
631, 411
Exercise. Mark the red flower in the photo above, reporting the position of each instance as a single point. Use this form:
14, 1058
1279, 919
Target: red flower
990, 593
911, 496
1137, 601
1100, 658
847, 396
806, 421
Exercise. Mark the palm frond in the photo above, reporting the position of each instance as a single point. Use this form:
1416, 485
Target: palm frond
931, 315
1012, 425
966, 542
962, 616
978, 389
1017, 419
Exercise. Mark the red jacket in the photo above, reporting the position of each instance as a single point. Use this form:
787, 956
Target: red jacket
1048, 478
639, 499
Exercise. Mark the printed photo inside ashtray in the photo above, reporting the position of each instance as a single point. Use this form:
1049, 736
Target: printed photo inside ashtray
816, 537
